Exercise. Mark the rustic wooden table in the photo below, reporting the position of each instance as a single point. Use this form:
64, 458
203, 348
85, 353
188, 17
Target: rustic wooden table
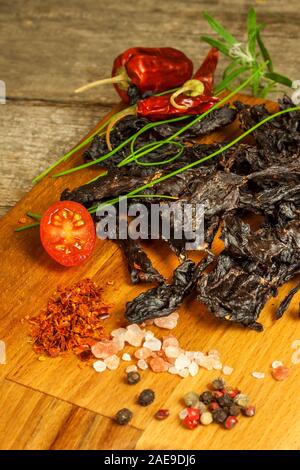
42, 118
49, 48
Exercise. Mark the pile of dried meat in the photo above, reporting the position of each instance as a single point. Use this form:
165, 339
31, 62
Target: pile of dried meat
260, 178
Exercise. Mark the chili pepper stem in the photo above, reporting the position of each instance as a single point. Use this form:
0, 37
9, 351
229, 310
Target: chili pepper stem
131, 111
121, 78
192, 87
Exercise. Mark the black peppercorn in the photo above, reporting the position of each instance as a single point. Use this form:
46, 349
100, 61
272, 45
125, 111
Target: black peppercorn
234, 410
218, 384
123, 416
225, 400
206, 397
219, 415
133, 377
146, 397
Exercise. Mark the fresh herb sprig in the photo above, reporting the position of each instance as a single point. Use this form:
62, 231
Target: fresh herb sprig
247, 58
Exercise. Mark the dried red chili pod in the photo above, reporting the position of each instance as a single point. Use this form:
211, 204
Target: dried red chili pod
154, 69
201, 83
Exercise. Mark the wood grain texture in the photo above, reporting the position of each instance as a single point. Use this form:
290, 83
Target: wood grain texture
29, 277
50, 48
36, 421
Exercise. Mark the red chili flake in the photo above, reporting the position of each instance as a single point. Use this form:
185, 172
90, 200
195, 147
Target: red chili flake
22, 220
72, 320
162, 414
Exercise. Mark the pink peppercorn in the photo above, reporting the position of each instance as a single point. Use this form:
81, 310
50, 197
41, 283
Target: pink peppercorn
213, 406
218, 393
162, 414
249, 411
190, 423
230, 422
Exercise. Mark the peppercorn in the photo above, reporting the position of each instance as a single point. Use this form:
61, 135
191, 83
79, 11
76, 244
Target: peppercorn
232, 392
218, 384
162, 414
190, 423
249, 411
218, 393
230, 422
234, 410
191, 399
133, 377
206, 397
146, 397
225, 400
219, 415
241, 400
123, 416
213, 406
206, 418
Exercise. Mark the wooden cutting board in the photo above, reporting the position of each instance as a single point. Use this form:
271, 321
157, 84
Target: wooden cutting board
56, 404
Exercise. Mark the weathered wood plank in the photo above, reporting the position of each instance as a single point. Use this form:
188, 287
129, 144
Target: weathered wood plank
35, 421
34, 135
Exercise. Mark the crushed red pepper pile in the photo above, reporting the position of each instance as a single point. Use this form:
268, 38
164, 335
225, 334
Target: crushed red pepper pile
72, 320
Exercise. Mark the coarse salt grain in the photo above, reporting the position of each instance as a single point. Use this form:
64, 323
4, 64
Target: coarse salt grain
105, 348
142, 364
148, 335
218, 365
168, 322
193, 369
172, 352
2, 352
153, 344
182, 361
126, 357
280, 373
295, 344
276, 364
112, 362
118, 332
173, 370
227, 370
142, 353
296, 357
132, 368
258, 375
183, 373
99, 366
134, 335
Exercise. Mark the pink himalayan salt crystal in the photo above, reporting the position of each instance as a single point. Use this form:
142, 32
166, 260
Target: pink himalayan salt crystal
134, 335
158, 364
182, 361
99, 366
132, 368
112, 362
276, 364
142, 364
193, 369
170, 341
280, 373
118, 332
105, 348
2, 353
296, 357
172, 352
218, 365
258, 375
168, 322
153, 344
183, 373
142, 353
227, 370
173, 370
214, 353
126, 357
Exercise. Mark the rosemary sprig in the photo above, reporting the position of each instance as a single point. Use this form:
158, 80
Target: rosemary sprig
246, 59
196, 162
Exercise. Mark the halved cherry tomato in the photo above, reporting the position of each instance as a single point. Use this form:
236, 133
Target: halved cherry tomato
68, 233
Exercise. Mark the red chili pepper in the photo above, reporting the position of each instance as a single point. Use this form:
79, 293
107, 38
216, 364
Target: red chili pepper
149, 69
194, 97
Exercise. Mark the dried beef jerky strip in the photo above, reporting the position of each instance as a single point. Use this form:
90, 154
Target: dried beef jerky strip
139, 265
164, 299
231, 293
286, 302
